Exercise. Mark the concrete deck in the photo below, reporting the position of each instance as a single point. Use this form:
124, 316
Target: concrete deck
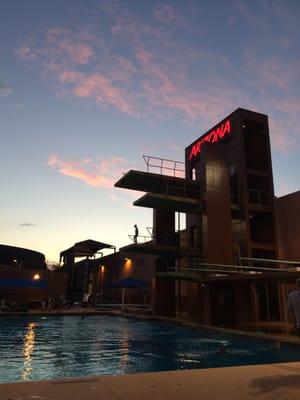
273, 381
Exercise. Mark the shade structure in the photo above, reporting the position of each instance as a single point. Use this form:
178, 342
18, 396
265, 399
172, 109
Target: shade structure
85, 248
129, 283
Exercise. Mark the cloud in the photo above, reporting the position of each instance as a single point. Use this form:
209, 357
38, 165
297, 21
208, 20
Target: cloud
274, 72
27, 224
135, 66
167, 14
96, 173
101, 89
5, 90
75, 49
26, 53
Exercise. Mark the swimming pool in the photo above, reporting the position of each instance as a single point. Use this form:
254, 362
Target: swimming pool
34, 347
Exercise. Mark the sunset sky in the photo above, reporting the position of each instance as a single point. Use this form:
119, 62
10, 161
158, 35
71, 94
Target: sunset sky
87, 87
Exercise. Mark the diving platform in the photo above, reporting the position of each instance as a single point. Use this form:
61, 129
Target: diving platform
162, 250
176, 203
158, 183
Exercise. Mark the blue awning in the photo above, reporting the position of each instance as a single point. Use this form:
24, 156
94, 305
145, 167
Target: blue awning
129, 283
22, 283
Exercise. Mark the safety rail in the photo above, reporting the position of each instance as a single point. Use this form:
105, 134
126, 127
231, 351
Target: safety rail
224, 269
172, 169
271, 261
135, 239
165, 165
151, 231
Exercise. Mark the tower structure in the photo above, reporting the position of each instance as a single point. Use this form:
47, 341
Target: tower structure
221, 268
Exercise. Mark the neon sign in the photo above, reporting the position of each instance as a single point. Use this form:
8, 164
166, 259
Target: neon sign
213, 136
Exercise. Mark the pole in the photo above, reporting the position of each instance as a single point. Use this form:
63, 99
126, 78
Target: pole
123, 297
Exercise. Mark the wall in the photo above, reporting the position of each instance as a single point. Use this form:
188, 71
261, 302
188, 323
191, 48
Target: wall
288, 226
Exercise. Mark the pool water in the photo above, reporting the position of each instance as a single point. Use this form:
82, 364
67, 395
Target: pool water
34, 348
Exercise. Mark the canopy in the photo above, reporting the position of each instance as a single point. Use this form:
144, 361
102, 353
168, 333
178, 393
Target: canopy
86, 248
129, 283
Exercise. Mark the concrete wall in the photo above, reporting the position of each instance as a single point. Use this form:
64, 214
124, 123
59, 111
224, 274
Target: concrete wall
288, 226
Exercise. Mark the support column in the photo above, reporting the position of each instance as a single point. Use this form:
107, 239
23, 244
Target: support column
217, 225
284, 317
254, 310
164, 303
206, 305
164, 297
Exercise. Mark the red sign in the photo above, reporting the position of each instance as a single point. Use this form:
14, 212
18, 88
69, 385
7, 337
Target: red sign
213, 136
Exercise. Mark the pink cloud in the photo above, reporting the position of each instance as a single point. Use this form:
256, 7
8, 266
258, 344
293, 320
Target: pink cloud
79, 53
168, 90
121, 69
26, 53
100, 174
76, 49
103, 91
69, 76
272, 72
166, 14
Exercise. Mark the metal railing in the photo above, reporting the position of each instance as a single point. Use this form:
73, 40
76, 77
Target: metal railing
271, 261
226, 269
150, 230
140, 238
165, 166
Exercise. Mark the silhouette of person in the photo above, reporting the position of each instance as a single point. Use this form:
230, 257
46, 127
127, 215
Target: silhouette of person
136, 233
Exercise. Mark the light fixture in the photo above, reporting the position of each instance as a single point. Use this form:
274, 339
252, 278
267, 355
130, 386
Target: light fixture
102, 268
126, 259
36, 277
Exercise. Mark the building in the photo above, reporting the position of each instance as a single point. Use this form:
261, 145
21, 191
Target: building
222, 267
25, 280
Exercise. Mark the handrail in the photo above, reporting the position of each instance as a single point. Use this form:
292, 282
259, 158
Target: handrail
132, 238
218, 268
150, 230
160, 163
240, 267
266, 260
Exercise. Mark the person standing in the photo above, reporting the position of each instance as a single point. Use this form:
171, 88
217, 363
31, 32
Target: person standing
136, 233
294, 307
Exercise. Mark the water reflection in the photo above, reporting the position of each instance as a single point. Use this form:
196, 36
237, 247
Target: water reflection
124, 349
27, 350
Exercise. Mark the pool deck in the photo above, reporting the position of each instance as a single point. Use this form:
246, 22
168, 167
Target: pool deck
272, 381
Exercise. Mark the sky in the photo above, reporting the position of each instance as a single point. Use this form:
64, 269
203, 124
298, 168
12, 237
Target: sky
88, 87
